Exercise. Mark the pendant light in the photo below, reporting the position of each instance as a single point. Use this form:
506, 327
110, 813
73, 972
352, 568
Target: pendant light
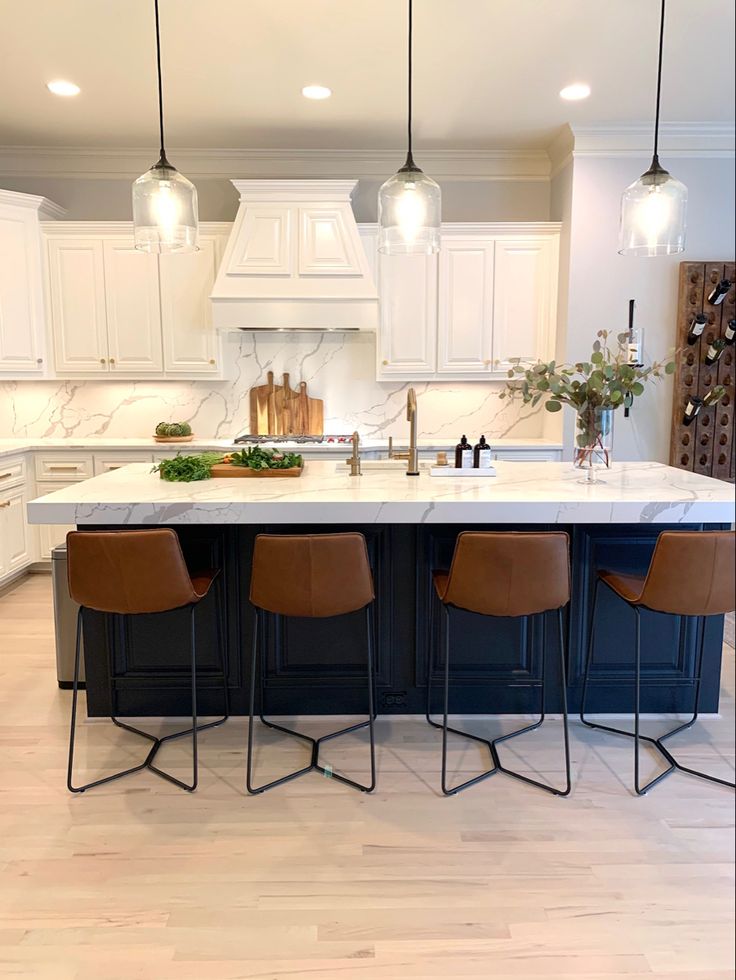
165, 215
654, 207
409, 203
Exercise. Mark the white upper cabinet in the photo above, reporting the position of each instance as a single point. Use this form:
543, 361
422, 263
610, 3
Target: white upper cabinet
77, 304
490, 298
133, 309
407, 338
118, 312
191, 346
466, 306
525, 299
22, 322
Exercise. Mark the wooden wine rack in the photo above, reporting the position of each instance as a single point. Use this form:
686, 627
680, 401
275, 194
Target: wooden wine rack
707, 445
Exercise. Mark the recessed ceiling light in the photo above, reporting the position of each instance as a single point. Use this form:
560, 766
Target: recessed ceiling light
316, 92
574, 93
60, 87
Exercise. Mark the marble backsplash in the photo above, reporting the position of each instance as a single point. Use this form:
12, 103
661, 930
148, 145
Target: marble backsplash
338, 368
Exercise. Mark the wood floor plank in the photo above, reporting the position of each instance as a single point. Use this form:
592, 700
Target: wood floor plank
139, 881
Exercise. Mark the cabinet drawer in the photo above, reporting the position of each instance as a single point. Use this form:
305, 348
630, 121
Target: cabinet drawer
107, 462
12, 471
529, 455
64, 466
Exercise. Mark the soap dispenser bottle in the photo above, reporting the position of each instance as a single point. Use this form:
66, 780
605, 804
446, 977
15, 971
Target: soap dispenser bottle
463, 455
482, 454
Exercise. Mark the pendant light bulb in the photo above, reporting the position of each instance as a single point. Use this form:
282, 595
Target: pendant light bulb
165, 209
410, 202
654, 207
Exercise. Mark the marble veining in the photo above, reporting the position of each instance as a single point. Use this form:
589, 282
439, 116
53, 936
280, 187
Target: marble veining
339, 368
522, 493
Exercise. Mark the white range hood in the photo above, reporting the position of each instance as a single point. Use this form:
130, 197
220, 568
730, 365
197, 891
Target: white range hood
294, 260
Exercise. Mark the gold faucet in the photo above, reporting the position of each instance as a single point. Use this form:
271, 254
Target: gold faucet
354, 460
411, 455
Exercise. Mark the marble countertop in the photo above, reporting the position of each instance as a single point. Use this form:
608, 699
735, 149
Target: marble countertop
520, 493
101, 444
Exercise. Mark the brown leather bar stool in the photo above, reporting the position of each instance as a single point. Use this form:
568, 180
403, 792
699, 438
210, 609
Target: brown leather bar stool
131, 573
709, 591
510, 574
310, 575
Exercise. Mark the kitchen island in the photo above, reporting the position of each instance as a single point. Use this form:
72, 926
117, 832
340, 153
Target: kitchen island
410, 524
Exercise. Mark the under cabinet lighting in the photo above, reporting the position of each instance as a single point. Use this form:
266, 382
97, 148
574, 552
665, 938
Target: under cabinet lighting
60, 87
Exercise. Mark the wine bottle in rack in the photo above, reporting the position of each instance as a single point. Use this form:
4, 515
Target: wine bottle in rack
730, 332
715, 350
713, 396
719, 292
692, 409
697, 326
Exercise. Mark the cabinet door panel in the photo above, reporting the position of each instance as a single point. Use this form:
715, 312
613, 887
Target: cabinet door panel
525, 299
466, 306
21, 308
407, 343
77, 291
133, 309
190, 342
15, 535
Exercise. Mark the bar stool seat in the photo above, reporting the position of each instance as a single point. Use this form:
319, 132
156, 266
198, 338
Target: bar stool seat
133, 573
312, 576
504, 574
691, 574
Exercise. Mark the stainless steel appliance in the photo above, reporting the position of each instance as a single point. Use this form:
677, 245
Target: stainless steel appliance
65, 620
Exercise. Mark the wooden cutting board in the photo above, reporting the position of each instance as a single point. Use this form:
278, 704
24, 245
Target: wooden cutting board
228, 470
277, 410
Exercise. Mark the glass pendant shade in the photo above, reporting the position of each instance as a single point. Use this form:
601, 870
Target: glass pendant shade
409, 213
653, 215
165, 211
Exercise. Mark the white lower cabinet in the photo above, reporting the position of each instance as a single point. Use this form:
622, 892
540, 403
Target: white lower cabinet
16, 537
55, 471
107, 462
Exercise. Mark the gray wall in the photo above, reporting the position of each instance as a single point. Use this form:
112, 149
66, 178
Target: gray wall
102, 199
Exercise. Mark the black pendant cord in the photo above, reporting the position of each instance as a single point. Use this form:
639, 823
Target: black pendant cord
409, 164
655, 158
163, 162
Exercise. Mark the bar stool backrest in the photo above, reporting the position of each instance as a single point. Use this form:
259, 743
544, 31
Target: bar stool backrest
311, 575
128, 572
692, 574
510, 573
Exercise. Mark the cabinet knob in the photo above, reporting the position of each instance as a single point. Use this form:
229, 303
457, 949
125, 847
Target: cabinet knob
103, 361
112, 360
4, 503
384, 362
487, 363
212, 360
39, 360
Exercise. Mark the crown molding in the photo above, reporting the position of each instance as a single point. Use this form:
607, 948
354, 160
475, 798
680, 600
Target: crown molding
129, 163
47, 210
685, 139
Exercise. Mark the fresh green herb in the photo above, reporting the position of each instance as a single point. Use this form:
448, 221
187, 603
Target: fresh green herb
260, 458
186, 469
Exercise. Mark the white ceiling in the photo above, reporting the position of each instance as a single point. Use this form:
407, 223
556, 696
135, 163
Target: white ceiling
487, 72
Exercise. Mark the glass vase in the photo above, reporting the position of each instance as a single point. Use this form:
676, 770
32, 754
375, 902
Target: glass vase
593, 441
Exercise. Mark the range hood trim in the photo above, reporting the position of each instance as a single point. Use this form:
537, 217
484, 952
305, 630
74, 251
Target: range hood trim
295, 261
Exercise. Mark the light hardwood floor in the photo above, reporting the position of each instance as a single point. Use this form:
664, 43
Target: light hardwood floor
141, 881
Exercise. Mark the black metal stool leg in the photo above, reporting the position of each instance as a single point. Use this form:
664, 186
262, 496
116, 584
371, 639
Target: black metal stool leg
636, 735
156, 741
543, 714
446, 728
314, 763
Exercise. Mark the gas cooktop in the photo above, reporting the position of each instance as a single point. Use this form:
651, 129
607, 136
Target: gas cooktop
249, 440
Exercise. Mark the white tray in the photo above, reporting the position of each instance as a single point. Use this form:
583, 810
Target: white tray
465, 471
